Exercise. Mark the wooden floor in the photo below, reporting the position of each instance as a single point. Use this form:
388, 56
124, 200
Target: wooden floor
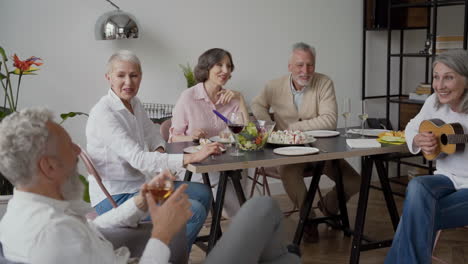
334, 247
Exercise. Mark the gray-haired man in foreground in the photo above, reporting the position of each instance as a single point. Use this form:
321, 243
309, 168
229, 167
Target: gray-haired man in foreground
45, 222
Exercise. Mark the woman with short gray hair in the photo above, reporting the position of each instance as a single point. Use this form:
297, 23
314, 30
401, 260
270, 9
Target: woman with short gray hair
439, 201
127, 148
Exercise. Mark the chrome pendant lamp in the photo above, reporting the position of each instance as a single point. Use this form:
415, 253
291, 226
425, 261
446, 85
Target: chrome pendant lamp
116, 25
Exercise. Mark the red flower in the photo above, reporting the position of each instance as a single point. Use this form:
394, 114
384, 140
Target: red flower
24, 66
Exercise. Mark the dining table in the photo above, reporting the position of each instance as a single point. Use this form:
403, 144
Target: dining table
329, 149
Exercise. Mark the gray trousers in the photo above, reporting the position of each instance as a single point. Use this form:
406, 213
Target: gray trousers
136, 238
254, 236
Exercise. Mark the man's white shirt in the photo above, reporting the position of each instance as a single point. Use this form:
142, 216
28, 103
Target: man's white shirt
39, 229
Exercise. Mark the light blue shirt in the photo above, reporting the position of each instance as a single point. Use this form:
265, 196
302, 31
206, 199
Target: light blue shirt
297, 95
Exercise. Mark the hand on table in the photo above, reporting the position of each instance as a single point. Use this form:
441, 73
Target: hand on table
206, 151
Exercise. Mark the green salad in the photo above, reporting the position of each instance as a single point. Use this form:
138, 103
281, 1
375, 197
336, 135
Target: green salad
254, 135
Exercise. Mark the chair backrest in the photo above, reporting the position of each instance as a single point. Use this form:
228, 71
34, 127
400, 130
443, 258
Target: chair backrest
379, 123
92, 170
164, 129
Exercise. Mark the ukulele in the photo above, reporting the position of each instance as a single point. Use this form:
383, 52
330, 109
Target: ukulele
451, 137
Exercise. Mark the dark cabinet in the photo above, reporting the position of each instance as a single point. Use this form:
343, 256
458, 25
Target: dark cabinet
376, 15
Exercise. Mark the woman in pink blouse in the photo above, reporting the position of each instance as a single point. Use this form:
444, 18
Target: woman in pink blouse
193, 116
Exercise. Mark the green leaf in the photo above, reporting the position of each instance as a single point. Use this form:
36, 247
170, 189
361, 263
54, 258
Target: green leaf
65, 116
188, 74
4, 112
86, 189
28, 72
2, 76
2, 52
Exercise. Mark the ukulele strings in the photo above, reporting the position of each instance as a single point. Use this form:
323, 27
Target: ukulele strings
457, 138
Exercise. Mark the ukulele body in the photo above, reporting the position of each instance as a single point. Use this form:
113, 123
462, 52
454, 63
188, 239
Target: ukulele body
443, 132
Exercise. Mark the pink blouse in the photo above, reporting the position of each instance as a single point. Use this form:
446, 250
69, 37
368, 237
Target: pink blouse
194, 110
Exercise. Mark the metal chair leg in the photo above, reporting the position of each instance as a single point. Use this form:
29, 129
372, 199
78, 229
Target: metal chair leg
254, 182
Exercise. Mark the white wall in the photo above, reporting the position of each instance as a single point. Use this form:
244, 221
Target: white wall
258, 33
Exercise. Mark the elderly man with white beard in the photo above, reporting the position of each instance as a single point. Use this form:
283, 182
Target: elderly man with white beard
45, 222
305, 100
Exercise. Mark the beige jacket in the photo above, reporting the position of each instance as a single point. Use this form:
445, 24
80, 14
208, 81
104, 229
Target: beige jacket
317, 111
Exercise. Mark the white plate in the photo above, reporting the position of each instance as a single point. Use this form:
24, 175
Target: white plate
309, 140
222, 140
368, 132
295, 151
194, 149
322, 133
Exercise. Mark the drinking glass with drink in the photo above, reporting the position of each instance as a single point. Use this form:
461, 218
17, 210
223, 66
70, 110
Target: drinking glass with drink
236, 125
162, 188
346, 112
363, 116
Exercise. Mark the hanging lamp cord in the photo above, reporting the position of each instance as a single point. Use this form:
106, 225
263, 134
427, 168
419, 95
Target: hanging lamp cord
116, 6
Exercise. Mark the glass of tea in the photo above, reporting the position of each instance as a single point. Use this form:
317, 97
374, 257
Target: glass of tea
161, 190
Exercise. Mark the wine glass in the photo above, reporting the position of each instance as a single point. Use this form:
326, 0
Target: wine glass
162, 189
363, 116
346, 112
236, 125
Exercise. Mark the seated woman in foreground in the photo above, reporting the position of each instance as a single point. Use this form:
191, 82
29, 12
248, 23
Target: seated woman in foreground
127, 148
438, 201
193, 116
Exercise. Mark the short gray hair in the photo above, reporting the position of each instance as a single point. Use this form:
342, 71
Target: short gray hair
456, 60
304, 47
123, 55
23, 140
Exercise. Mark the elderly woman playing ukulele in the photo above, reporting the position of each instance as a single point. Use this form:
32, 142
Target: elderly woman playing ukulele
438, 201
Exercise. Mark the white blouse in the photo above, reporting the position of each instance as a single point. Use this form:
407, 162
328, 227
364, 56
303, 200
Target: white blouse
454, 166
121, 146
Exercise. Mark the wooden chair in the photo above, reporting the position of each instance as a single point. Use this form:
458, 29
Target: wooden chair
92, 170
434, 258
164, 129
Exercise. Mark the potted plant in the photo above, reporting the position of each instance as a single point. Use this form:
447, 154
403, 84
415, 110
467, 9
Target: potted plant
21, 68
188, 74
11, 93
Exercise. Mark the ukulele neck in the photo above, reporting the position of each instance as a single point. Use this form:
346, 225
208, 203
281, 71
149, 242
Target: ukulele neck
457, 138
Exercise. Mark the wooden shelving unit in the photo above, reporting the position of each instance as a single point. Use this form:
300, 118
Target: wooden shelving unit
405, 17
